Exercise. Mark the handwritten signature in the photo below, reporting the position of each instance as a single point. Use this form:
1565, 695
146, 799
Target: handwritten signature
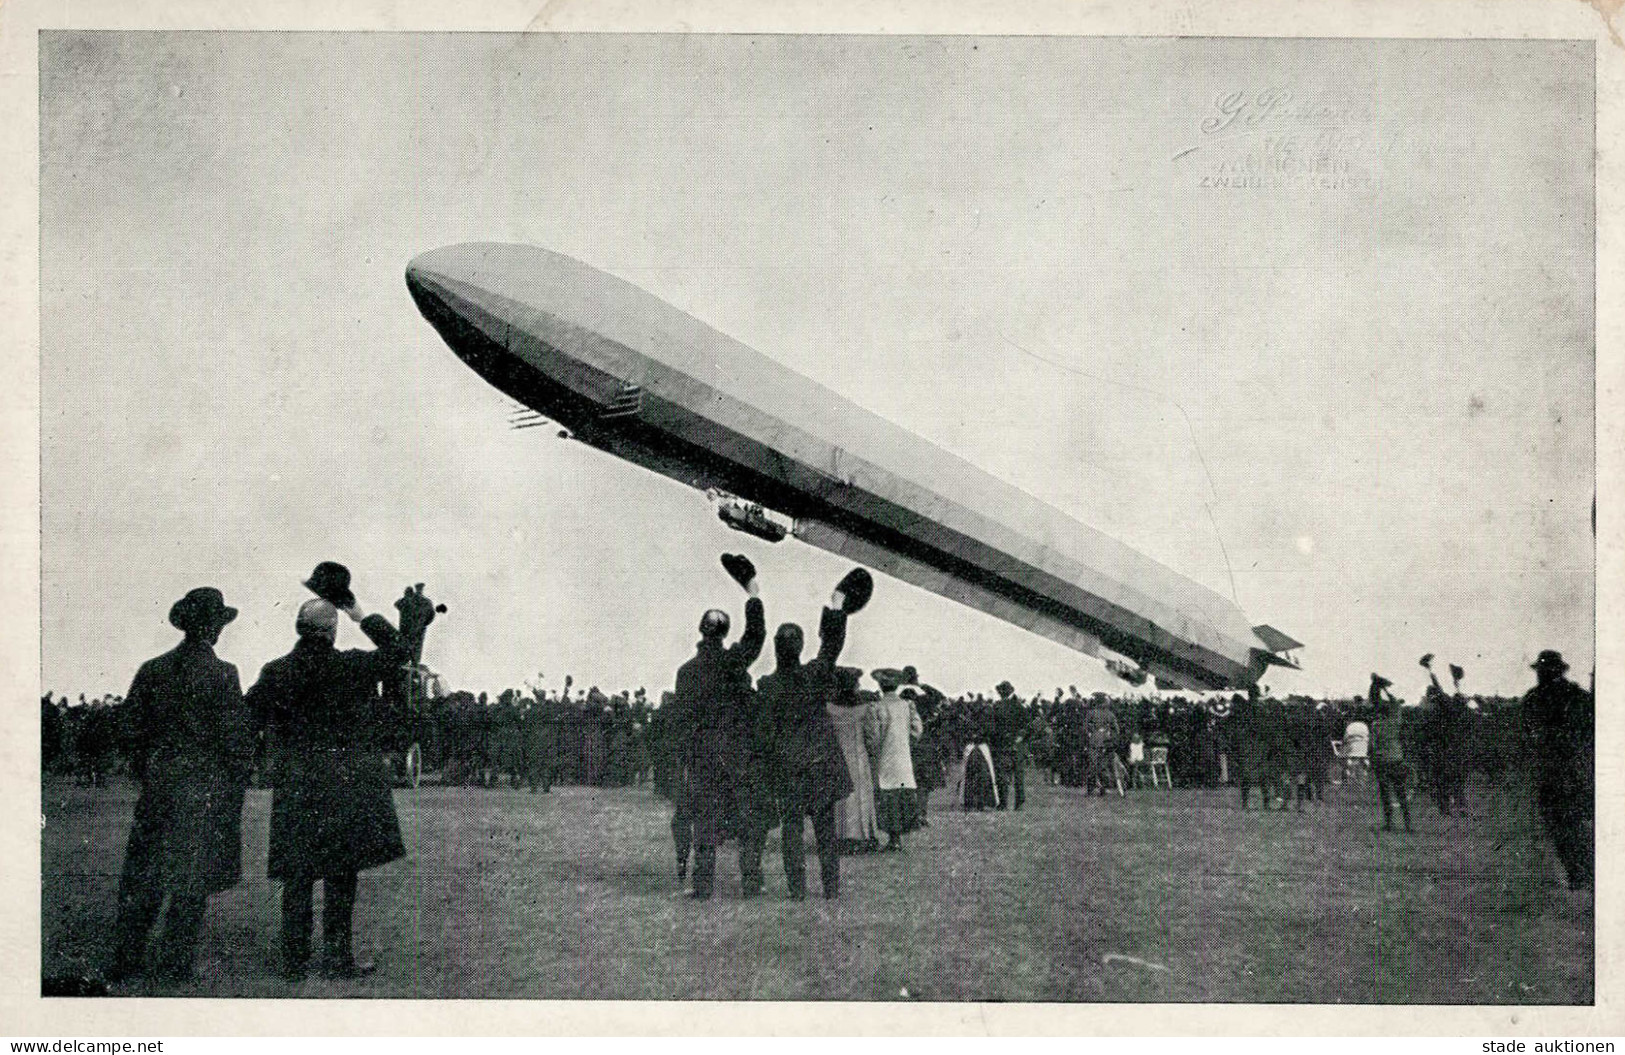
1248, 109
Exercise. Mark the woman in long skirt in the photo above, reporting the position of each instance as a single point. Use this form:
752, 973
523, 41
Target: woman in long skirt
890, 724
855, 822
977, 788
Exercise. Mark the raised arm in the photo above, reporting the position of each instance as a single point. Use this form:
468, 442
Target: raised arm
405, 645
749, 645
831, 636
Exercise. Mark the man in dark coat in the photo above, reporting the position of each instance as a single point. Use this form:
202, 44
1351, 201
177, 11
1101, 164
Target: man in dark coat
190, 742
712, 689
812, 774
1447, 738
1561, 718
332, 812
1009, 750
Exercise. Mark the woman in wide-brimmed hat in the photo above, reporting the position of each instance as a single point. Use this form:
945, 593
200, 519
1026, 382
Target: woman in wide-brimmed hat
190, 742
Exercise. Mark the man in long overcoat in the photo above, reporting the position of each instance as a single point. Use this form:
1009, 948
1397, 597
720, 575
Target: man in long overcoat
191, 747
332, 811
712, 689
1561, 716
1009, 749
812, 774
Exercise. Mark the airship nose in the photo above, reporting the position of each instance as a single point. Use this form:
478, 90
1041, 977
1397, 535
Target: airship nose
459, 286
430, 274
450, 286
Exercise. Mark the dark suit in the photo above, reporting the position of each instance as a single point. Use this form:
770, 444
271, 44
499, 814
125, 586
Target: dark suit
1009, 753
332, 812
710, 703
1561, 718
190, 741
811, 770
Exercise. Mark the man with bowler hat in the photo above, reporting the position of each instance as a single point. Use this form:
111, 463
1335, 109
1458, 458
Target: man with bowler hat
1561, 716
332, 810
711, 691
189, 738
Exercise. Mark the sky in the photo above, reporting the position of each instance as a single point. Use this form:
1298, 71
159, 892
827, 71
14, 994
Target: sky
1310, 322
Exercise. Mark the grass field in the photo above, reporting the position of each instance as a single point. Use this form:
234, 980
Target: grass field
570, 895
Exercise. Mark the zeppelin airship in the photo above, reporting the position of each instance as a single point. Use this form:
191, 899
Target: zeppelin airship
631, 375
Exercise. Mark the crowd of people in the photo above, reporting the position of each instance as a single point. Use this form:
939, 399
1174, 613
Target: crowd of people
535, 738
810, 741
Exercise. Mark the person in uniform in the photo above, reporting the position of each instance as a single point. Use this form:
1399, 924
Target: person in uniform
1389, 752
1100, 734
1561, 716
190, 741
889, 724
332, 811
810, 767
711, 688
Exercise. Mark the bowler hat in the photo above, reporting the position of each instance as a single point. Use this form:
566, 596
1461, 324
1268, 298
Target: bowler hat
1380, 682
201, 609
856, 589
331, 582
739, 568
1550, 660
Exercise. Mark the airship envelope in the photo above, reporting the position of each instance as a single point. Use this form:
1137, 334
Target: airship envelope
636, 377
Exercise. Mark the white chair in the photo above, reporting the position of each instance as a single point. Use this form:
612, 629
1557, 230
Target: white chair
1158, 762
1356, 748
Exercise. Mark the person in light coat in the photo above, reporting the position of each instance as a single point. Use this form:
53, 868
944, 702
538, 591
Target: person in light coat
889, 724
855, 822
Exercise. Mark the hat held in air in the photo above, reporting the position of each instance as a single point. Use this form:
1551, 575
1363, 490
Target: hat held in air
331, 582
855, 589
739, 568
